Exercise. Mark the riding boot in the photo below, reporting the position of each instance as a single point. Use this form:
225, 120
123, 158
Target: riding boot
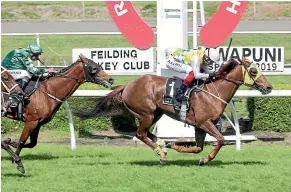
181, 93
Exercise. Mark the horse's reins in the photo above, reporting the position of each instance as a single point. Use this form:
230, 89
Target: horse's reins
237, 83
5, 86
69, 77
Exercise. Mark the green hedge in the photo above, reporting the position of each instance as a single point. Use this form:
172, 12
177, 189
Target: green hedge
270, 114
126, 121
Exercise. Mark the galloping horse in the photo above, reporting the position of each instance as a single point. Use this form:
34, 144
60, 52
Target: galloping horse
143, 98
9, 86
47, 97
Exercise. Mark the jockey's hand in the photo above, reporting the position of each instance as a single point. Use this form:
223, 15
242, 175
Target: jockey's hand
49, 70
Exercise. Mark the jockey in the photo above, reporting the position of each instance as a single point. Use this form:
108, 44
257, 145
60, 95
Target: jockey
191, 61
20, 60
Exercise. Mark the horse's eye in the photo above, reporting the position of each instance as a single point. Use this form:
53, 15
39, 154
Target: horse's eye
253, 71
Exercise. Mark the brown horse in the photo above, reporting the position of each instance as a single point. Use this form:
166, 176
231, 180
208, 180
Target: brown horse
143, 98
47, 98
9, 87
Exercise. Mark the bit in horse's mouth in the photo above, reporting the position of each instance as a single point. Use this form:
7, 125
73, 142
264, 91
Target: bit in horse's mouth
106, 84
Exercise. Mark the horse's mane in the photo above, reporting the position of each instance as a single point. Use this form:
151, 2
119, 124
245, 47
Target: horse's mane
226, 68
69, 67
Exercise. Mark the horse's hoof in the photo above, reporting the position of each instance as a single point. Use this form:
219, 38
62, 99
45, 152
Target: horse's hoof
163, 162
201, 162
20, 167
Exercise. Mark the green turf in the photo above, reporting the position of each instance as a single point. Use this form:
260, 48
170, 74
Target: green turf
102, 168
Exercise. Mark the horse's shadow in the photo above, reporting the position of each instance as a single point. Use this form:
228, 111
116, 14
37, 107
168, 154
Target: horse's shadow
15, 175
186, 163
183, 163
33, 157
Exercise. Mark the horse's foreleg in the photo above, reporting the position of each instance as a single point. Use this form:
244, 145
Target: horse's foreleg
210, 128
28, 128
8, 141
15, 157
33, 138
199, 137
5, 146
141, 134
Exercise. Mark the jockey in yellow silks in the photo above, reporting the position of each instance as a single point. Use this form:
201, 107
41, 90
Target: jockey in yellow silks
191, 61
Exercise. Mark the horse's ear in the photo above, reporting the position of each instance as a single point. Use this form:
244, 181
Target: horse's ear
83, 58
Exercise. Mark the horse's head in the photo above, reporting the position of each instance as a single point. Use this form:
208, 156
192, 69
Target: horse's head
253, 77
245, 72
8, 83
94, 73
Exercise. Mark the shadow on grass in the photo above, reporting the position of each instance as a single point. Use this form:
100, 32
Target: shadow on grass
33, 157
15, 175
182, 163
196, 163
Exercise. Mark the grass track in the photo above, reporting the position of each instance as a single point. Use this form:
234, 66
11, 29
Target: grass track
53, 167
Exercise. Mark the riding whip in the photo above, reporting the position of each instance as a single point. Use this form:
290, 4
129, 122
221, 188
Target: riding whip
42, 63
227, 50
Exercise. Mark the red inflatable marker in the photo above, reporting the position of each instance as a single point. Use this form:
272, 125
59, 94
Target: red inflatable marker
130, 24
223, 23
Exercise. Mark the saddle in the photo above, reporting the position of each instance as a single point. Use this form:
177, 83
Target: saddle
171, 90
17, 103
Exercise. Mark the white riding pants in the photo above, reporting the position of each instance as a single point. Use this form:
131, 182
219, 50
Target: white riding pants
19, 74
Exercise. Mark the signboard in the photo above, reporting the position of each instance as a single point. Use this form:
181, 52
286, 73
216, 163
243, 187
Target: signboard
268, 59
119, 60
172, 13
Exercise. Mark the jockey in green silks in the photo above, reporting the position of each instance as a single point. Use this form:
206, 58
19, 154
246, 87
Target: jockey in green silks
19, 62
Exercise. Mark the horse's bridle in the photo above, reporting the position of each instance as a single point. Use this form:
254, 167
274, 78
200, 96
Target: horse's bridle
88, 69
9, 90
239, 83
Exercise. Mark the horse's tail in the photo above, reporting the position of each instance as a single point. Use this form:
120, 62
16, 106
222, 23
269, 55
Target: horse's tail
111, 105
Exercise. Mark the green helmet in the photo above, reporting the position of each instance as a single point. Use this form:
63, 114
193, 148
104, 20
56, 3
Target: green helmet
35, 49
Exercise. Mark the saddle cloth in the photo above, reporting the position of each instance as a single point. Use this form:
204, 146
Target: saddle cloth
171, 88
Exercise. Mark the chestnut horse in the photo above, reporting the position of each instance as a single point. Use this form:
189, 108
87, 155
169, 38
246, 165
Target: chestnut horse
143, 98
10, 87
48, 97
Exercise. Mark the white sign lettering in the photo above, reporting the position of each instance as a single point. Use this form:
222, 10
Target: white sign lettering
268, 59
119, 60
232, 8
118, 7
